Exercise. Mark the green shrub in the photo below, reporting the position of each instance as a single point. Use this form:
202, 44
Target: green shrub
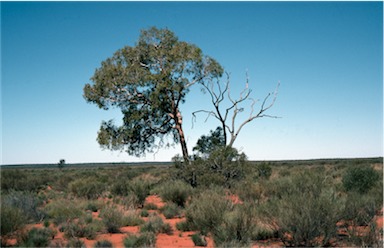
199, 240
103, 244
112, 219
75, 243
22, 180
264, 170
120, 187
307, 211
81, 229
175, 191
93, 206
156, 225
63, 210
144, 213
141, 187
360, 208
223, 167
150, 206
249, 191
184, 226
37, 237
237, 226
206, 210
171, 210
360, 179
145, 239
27, 202
12, 219
89, 188
132, 219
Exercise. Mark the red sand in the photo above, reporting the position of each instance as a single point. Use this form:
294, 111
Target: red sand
154, 199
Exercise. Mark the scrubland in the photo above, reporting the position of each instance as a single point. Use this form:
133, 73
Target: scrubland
211, 202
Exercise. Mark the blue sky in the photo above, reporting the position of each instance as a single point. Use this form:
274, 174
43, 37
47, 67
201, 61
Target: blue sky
328, 57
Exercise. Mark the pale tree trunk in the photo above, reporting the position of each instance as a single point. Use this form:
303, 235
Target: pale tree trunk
183, 143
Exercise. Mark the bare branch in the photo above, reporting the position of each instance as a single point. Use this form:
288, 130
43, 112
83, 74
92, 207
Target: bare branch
217, 95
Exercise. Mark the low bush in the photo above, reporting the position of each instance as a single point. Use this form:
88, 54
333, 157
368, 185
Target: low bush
103, 244
175, 191
150, 206
144, 213
171, 210
184, 226
249, 191
132, 219
12, 219
75, 243
141, 187
206, 210
264, 170
360, 208
27, 202
63, 210
112, 219
145, 239
360, 178
156, 225
82, 229
90, 188
37, 237
199, 240
237, 227
20, 180
307, 211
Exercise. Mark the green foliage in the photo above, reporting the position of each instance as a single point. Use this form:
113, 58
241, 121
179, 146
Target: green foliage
141, 187
307, 210
207, 144
90, 188
175, 191
171, 210
103, 244
199, 240
132, 219
264, 170
156, 225
75, 242
63, 210
37, 237
27, 202
184, 226
224, 166
83, 227
361, 208
249, 191
146, 239
147, 82
237, 227
12, 219
20, 180
144, 213
360, 179
206, 210
112, 219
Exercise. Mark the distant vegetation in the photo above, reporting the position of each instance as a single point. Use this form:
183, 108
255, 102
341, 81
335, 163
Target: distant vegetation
298, 203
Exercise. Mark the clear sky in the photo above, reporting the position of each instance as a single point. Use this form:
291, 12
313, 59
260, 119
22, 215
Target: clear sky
328, 57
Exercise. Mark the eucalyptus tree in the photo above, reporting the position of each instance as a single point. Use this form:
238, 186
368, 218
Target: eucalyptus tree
148, 82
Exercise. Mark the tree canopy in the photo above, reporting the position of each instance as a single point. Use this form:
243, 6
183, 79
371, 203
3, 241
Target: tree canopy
148, 82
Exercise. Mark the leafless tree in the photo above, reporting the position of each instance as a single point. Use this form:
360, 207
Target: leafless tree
218, 91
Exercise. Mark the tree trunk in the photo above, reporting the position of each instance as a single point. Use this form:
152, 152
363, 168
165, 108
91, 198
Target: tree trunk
183, 143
